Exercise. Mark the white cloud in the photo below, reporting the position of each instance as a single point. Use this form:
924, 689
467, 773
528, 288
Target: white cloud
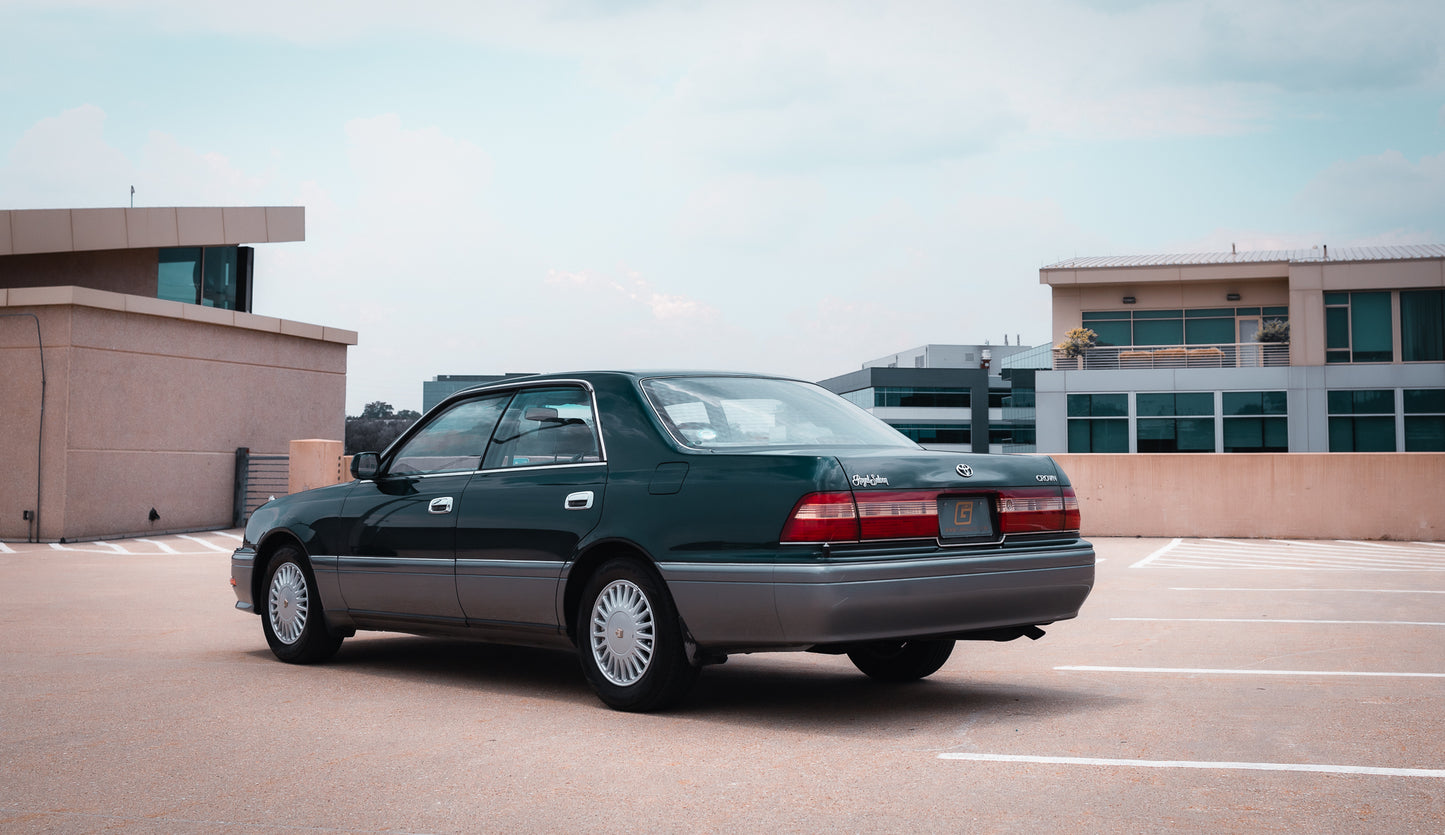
1382, 193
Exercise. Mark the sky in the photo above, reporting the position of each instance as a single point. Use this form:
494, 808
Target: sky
778, 186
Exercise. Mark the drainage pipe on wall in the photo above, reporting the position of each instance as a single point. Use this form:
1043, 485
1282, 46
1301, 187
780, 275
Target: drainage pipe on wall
40, 435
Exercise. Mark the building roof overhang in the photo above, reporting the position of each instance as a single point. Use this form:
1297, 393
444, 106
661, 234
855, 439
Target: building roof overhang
37, 231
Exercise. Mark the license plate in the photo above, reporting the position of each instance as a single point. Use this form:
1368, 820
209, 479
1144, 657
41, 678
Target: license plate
964, 518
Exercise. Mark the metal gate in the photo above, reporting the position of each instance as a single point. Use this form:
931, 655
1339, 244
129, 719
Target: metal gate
259, 478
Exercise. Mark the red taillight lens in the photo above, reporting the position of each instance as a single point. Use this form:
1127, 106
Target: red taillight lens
1072, 519
898, 515
822, 517
1035, 509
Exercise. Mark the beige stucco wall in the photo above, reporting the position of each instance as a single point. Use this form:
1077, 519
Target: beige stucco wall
1268, 495
146, 402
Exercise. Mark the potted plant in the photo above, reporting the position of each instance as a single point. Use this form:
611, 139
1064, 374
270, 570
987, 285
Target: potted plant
1274, 334
1076, 344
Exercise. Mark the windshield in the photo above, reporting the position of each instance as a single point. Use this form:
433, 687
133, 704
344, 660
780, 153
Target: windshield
723, 412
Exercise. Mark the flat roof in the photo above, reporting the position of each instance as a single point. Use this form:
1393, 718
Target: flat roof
36, 231
1265, 256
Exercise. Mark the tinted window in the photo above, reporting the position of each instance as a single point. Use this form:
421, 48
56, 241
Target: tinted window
714, 412
546, 426
453, 440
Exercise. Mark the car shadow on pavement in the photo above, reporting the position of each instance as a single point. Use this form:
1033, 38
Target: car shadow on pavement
796, 690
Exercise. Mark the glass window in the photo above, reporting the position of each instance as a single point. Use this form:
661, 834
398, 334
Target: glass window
1254, 403
1248, 425
199, 275
1159, 331
1176, 435
546, 426
1362, 420
452, 441
218, 286
1371, 337
1098, 405
928, 433
1419, 401
1099, 435
1424, 431
1422, 325
1163, 404
716, 412
1112, 333
1209, 331
178, 276
921, 396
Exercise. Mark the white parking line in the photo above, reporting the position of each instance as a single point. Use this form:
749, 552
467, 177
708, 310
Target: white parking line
229, 535
109, 548
1284, 620
204, 543
1157, 554
1347, 591
1434, 773
164, 548
5, 549
1208, 671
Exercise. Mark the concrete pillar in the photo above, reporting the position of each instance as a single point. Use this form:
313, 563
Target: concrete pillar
315, 463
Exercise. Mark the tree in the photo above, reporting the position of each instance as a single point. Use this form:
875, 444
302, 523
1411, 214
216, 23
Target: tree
378, 409
408, 414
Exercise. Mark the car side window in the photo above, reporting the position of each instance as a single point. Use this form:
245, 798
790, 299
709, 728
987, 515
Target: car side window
452, 441
546, 426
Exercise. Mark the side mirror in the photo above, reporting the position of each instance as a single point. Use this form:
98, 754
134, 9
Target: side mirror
541, 414
365, 464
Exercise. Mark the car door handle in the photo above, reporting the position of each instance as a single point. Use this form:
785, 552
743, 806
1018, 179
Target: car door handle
440, 505
579, 501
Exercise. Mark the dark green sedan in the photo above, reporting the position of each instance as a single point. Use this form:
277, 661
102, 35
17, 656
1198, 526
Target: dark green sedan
659, 522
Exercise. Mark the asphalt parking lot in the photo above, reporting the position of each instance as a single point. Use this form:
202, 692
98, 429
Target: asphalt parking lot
1219, 686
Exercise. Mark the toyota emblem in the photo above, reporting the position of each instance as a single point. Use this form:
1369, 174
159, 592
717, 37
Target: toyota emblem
965, 470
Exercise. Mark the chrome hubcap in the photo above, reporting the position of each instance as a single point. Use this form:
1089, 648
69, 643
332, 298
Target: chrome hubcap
623, 637
288, 603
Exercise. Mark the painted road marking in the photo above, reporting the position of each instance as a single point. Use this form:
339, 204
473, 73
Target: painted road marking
229, 535
1209, 671
1434, 773
205, 543
1284, 620
1296, 556
1157, 554
1346, 591
160, 545
5, 549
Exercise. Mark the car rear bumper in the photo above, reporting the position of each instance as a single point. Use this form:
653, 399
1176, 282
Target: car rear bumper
879, 596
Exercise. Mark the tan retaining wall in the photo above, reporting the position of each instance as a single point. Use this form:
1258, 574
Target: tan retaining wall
1373, 495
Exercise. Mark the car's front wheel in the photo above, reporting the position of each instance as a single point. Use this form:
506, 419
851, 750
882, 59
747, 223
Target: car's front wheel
294, 622
630, 640
901, 660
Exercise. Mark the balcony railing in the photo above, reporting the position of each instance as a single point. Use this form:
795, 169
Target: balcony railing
1225, 355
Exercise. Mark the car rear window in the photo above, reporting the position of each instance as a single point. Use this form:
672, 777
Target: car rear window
723, 412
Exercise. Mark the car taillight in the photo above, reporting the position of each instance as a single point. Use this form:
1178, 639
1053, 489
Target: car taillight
913, 514
898, 515
1072, 518
822, 517
1035, 509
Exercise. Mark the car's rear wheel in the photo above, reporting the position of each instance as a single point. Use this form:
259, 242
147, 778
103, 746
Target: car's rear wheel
901, 660
294, 622
630, 640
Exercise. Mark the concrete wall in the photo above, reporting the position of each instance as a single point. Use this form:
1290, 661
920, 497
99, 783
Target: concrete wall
146, 402
1285, 495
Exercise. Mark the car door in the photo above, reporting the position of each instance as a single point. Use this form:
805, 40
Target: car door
539, 492
401, 559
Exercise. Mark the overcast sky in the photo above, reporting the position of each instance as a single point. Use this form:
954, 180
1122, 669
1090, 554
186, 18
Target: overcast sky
789, 187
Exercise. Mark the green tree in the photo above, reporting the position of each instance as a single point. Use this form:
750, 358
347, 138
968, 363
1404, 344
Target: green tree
378, 409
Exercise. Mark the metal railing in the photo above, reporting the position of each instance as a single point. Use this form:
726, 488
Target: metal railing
1222, 355
258, 478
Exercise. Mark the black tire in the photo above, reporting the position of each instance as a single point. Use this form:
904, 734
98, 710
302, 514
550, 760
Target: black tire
291, 611
901, 660
630, 639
